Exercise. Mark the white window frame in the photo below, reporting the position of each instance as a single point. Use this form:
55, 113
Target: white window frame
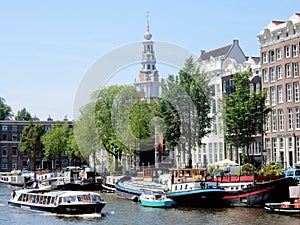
278, 53
264, 58
272, 74
273, 96
279, 72
295, 50
290, 118
274, 121
296, 92
295, 69
287, 51
280, 94
266, 75
297, 118
280, 120
272, 56
289, 93
288, 70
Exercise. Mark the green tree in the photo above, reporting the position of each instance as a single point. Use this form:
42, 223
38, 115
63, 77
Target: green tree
73, 152
30, 143
189, 93
5, 110
170, 120
23, 115
244, 113
104, 108
55, 141
86, 132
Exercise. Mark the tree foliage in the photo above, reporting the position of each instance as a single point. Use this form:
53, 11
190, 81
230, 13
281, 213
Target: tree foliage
189, 93
5, 110
55, 141
23, 115
31, 142
244, 112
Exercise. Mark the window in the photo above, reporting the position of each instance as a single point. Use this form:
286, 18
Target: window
4, 128
14, 128
281, 143
267, 145
274, 121
14, 166
297, 149
272, 74
280, 94
297, 118
4, 151
290, 119
265, 74
287, 51
288, 93
4, 165
290, 143
273, 100
264, 57
14, 151
295, 69
268, 124
278, 53
296, 92
267, 101
281, 119
14, 137
272, 56
295, 50
279, 72
274, 145
288, 70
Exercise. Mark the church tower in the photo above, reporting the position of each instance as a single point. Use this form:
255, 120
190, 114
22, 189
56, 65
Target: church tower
148, 84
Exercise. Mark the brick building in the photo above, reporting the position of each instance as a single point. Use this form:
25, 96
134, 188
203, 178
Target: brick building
279, 51
10, 155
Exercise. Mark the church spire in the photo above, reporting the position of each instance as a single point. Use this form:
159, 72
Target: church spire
147, 34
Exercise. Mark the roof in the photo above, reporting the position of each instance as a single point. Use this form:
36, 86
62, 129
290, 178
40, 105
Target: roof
215, 53
256, 59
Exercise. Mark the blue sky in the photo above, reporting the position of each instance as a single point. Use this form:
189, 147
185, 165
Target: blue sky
46, 47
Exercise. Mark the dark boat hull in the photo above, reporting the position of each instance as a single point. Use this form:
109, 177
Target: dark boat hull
259, 194
280, 210
74, 209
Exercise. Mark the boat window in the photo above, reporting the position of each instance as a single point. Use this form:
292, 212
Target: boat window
186, 186
297, 172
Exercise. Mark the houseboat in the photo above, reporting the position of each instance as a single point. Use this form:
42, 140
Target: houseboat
186, 187
254, 191
59, 202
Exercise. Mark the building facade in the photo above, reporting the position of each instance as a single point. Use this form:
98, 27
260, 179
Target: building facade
220, 65
11, 158
280, 57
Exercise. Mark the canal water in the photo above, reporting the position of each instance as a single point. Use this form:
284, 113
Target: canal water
124, 212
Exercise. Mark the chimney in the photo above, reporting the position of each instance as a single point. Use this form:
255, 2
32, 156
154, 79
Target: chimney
235, 42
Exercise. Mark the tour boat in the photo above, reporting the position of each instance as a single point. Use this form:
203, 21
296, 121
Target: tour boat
60, 202
158, 200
